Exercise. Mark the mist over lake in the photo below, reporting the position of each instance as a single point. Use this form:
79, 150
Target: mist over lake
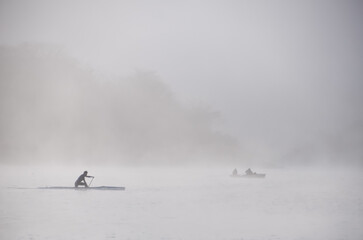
159, 101
182, 203
55, 111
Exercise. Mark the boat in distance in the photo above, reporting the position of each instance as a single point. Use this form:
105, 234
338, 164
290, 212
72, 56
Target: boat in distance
86, 188
255, 175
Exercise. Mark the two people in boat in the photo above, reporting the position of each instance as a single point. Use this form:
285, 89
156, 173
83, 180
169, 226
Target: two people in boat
81, 181
248, 172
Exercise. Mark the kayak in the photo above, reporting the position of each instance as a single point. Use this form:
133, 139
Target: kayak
255, 175
87, 188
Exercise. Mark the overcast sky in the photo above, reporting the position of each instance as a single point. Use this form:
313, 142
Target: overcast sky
279, 72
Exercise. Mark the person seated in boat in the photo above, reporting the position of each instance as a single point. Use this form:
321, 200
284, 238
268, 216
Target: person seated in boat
234, 172
249, 172
81, 181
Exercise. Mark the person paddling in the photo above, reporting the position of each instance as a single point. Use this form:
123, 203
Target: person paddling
249, 172
81, 181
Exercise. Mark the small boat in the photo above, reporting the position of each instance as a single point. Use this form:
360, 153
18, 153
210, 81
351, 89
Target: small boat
86, 188
254, 175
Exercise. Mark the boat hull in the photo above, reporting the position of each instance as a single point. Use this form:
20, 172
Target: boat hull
256, 175
86, 188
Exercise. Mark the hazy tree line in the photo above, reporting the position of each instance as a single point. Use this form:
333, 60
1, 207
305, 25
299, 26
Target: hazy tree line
52, 109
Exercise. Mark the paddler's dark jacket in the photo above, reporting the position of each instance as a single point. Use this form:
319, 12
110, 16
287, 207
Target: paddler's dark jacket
82, 179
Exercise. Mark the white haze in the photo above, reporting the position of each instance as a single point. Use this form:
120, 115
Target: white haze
181, 203
284, 76
56, 112
166, 98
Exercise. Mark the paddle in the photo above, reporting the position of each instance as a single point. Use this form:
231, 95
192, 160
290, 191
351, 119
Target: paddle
91, 181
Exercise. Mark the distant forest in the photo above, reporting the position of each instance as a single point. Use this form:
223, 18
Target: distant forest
54, 110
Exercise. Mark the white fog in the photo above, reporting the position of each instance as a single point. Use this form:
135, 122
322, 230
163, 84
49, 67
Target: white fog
159, 101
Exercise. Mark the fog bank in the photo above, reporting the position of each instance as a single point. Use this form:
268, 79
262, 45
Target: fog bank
55, 111
285, 78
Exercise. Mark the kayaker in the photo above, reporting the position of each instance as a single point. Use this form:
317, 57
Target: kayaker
81, 181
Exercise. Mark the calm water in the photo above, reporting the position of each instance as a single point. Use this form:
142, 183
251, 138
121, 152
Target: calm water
181, 203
